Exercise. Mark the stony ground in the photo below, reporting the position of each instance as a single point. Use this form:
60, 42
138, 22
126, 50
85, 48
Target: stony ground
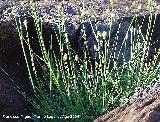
75, 11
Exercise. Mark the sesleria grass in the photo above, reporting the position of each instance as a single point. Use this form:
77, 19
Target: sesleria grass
77, 94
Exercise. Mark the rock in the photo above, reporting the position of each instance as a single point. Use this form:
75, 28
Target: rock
11, 55
77, 42
12, 74
153, 32
144, 107
12, 61
76, 34
120, 49
8, 36
12, 103
49, 29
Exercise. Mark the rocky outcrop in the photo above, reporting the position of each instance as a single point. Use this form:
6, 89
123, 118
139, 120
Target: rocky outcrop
121, 39
145, 107
12, 74
11, 54
13, 70
116, 38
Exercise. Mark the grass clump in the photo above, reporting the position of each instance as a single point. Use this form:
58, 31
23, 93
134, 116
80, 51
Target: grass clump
65, 91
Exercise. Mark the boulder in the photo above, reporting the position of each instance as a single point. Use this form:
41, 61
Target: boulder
13, 70
116, 39
144, 107
122, 39
12, 61
152, 32
12, 74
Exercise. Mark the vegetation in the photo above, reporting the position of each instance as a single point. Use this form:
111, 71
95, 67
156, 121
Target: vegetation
69, 92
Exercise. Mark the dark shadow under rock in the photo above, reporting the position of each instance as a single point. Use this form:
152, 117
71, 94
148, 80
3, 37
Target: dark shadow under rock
120, 49
12, 104
13, 73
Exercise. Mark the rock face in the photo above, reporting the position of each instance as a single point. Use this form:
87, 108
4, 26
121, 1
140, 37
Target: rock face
49, 30
144, 107
12, 73
11, 56
13, 70
122, 39
153, 31
120, 51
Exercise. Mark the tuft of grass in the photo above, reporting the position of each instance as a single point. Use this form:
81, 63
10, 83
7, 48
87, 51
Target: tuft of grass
68, 92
